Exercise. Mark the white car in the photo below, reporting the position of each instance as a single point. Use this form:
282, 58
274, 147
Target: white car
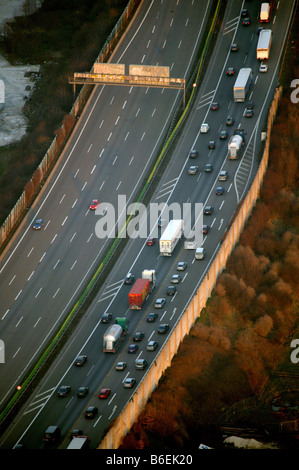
192, 170
263, 68
204, 128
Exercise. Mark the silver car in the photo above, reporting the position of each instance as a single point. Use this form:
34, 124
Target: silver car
152, 345
129, 382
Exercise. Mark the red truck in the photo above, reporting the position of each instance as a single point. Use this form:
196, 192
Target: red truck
139, 293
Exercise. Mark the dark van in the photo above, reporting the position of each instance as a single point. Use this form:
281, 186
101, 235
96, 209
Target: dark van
52, 434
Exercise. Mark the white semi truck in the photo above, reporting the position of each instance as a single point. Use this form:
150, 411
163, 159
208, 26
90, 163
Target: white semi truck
170, 237
114, 335
242, 84
234, 147
264, 44
151, 275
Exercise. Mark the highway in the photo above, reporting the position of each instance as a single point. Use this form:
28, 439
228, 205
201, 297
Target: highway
110, 153
62, 241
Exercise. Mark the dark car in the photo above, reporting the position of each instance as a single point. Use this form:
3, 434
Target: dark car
229, 121
246, 22
208, 210
76, 433
240, 132
104, 393
52, 434
208, 168
250, 104
64, 391
205, 229
163, 328
161, 222
219, 191
138, 336
37, 224
193, 154
129, 278
132, 349
234, 47
214, 106
244, 13
91, 412
151, 317
106, 317
248, 113
171, 290
82, 392
223, 135
80, 360
230, 71
212, 144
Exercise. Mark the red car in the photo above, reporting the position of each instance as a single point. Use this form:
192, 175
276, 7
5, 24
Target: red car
104, 393
150, 241
94, 204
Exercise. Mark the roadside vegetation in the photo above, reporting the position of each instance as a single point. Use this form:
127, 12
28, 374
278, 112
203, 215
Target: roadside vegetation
240, 345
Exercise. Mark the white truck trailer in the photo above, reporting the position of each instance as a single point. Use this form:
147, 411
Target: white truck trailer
264, 44
79, 442
242, 84
170, 237
234, 146
112, 338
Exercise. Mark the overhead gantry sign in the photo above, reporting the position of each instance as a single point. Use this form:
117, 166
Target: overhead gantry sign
139, 75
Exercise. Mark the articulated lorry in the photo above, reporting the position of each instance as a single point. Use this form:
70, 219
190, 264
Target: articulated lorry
264, 44
242, 84
115, 335
234, 147
170, 237
142, 288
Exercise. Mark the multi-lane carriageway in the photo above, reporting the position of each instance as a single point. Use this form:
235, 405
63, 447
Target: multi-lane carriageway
111, 150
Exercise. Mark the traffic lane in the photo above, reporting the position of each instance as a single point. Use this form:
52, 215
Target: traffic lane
175, 20
58, 259
82, 149
63, 219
